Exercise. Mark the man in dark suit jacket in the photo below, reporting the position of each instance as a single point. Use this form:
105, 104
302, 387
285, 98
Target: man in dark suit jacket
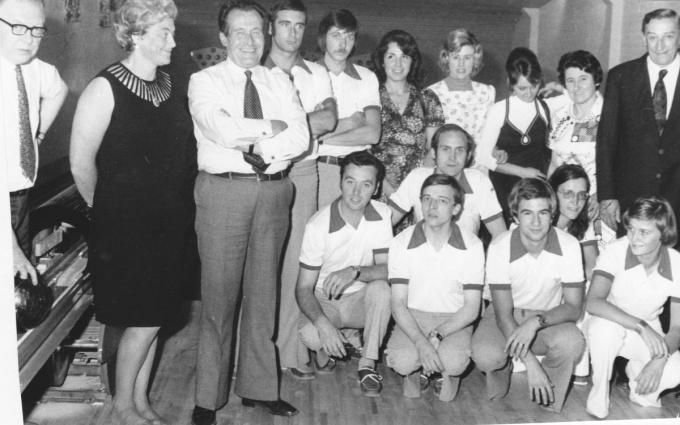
638, 139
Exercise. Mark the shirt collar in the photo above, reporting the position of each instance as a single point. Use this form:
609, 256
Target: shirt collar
350, 69
269, 64
518, 250
231, 65
418, 237
664, 268
337, 222
654, 69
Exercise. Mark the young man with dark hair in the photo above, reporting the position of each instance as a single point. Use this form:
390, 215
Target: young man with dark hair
288, 20
436, 272
343, 271
535, 274
356, 91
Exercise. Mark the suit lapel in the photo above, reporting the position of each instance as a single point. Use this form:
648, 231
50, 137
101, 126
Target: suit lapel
674, 114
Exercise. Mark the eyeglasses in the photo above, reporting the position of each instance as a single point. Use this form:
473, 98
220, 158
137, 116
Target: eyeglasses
570, 194
20, 29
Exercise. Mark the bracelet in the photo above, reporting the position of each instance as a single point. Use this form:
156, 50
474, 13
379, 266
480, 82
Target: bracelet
640, 325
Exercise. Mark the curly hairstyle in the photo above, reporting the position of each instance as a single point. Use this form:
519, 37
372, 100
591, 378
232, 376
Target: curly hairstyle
408, 45
583, 60
134, 17
456, 40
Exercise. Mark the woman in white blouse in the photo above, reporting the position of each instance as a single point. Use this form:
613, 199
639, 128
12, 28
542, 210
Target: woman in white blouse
518, 126
465, 102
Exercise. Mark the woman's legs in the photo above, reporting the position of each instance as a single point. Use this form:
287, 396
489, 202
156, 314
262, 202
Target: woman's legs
133, 366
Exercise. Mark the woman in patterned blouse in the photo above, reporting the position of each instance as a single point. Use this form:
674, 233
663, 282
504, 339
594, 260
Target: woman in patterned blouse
409, 116
465, 102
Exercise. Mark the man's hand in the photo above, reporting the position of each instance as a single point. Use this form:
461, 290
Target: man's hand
336, 282
332, 340
278, 126
655, 342
540, 387
24, 267
648, 380
520, 339
610, 212
550, 89
499, 155
429, 358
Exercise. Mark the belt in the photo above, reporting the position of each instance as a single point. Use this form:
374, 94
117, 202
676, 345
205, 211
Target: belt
260, 177
21, 192
332, 160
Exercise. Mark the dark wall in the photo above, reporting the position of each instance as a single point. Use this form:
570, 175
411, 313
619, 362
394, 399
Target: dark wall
81, 46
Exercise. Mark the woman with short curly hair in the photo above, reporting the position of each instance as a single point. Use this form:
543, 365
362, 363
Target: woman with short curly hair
132, 161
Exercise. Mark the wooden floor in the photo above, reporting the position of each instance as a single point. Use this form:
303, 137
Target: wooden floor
336, 399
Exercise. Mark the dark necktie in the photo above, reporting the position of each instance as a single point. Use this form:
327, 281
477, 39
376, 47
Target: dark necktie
252, 109
25, 134
659, 101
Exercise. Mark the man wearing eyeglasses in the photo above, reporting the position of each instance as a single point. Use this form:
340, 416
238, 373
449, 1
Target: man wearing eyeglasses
31, 94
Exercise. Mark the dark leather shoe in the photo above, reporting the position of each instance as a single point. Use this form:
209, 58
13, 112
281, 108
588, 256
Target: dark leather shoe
274, 407
203, 416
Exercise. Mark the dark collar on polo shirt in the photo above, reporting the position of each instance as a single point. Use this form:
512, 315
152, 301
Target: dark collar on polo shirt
462, 181
269, 64
337, 222
664, 267
350, 69
418, 237
518, 250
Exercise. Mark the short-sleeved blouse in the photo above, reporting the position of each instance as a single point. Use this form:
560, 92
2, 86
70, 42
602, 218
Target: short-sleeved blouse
572, 141
402, 142
467, 108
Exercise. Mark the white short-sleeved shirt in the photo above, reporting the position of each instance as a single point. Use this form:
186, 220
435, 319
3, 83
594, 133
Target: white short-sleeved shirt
330, 244
42, 81
632, 289
313, 87
355, 89
536, 282
480, 202
436, 279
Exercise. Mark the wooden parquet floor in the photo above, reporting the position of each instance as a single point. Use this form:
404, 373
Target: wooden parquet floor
336, 399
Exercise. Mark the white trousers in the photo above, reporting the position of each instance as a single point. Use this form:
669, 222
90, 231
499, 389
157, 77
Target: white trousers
606, 340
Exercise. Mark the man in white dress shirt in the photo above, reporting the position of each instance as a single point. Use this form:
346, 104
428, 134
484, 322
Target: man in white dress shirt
31, 94
249, 125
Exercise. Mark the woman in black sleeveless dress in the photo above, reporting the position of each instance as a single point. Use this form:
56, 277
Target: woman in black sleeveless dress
131, 152
517, 127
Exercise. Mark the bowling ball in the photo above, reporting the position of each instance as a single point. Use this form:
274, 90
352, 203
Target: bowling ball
32, 303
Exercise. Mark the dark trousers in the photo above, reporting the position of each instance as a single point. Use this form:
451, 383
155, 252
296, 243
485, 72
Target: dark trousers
19, 210
241, 226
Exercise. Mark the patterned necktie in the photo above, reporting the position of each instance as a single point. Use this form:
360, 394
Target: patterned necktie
25, 133
251, 100
252, 109
659, 101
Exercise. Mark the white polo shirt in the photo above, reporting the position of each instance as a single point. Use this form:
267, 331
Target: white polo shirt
330, 244
436, 279
355, 89
313, 86
632, 289
480, 202
536, 282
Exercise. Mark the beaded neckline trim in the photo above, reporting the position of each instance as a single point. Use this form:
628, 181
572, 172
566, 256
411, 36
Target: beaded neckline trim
156, 91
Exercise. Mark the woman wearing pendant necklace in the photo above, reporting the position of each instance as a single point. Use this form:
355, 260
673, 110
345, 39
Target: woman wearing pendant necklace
575, 117
131, 157
465, 102
518, 126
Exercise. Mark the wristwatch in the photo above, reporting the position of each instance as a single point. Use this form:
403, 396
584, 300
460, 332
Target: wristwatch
639, 325
541, 321
357, 272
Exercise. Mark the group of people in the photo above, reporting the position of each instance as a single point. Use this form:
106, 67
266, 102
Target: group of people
307, 170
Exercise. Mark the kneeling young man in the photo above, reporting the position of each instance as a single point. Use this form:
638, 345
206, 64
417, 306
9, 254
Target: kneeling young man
535, 274
343, 271
632, 280
436, 271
